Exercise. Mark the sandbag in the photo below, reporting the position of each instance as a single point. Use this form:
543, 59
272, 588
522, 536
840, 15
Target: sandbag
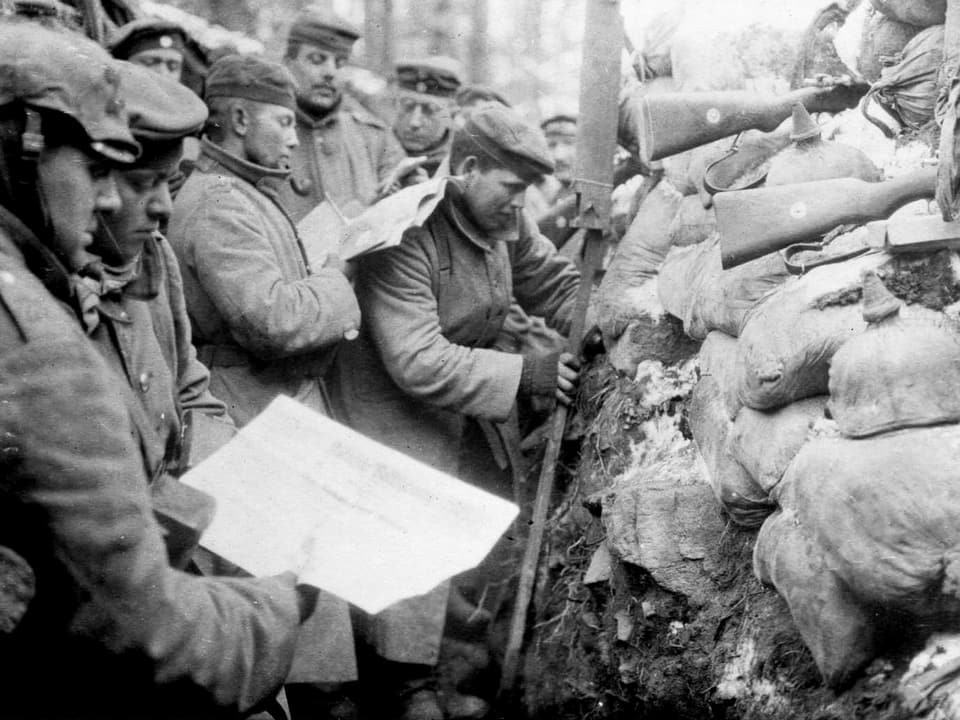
881, 43
884, 511
719, 359
695, 288
692, 224
787, 341
738, 493
922, 13
818, 159
647, 240
765, 442
908, 90
833, 625
902, 371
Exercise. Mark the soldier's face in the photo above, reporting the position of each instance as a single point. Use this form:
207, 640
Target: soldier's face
76, 186
319, 75
562, 141
494, 196
145, 197
421, 122
163, 61
271, 136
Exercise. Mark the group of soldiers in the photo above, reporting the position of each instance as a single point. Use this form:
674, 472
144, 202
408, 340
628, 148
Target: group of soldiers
137, 331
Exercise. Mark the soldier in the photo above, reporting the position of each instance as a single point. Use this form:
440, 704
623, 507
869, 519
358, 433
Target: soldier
422, 377
346, 154
543, 199
144, 330
96, 623
158, 45
425, 91
264, 322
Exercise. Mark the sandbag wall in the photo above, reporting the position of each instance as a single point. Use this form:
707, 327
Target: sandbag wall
858, 512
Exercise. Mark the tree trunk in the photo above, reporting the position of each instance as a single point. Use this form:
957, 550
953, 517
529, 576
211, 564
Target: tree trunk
378, 35
480, 42
232, 14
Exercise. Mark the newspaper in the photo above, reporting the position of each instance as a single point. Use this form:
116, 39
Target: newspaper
298, 491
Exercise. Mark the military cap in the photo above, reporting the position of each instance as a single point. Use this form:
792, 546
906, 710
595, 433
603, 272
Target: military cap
471, 94
61, 71
324, 28
436, 75
502, 135
146, 34
162, 112
251, 78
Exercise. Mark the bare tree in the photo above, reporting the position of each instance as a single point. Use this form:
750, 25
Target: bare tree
378, 34
479, 51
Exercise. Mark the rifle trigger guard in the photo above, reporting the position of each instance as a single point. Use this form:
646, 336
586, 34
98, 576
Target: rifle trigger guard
788, 253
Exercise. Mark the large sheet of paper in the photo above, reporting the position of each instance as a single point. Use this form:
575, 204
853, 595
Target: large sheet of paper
298, 491
351, 231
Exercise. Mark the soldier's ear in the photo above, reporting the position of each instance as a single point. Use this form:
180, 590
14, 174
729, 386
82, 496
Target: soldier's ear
239, 119
466, 166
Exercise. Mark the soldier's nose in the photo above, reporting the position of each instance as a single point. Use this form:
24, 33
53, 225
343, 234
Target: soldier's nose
107, 198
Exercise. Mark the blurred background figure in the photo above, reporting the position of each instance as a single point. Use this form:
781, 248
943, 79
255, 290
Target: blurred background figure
157, 45
425, 91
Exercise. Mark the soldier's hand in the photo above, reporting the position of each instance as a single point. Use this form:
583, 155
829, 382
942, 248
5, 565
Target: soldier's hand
347, 267
568, 377
411, 166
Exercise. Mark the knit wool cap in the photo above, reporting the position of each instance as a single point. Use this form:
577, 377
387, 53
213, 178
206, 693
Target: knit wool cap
501, 134
325, 29
251, 78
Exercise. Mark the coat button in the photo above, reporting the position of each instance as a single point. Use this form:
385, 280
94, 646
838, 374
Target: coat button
144, 381
351, 334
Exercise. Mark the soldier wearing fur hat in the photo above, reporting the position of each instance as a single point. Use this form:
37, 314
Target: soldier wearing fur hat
95, 622
346, 154
157, 45
423, 376
425, 91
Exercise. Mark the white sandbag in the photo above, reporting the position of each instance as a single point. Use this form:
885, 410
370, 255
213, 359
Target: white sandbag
719, 359
834, 626
787, 341
765, 442
695, 288
743, 499
884, 511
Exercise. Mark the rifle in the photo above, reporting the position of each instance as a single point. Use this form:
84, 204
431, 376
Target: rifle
596, 145
753, 223
670, 123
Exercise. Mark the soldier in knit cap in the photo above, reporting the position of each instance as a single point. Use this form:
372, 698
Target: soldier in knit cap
424, 378
157, 45
264, 321
346, 154
425, 90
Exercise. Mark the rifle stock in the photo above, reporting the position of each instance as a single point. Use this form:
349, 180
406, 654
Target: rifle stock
672, 123
753, 223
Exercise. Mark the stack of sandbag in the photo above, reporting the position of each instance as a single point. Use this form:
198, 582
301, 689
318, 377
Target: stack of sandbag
867, 525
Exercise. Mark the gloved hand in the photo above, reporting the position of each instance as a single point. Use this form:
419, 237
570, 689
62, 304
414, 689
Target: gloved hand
568, 378
555, 375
